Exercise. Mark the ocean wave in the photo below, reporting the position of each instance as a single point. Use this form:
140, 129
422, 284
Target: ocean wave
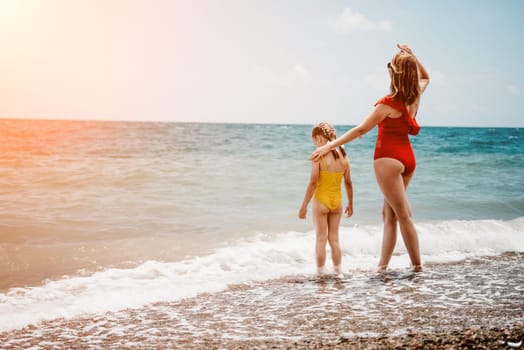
259, 258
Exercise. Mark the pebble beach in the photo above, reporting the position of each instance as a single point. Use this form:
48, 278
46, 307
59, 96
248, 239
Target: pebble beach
477, 304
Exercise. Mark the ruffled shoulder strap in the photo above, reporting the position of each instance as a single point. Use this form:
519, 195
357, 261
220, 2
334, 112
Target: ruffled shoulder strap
399, 106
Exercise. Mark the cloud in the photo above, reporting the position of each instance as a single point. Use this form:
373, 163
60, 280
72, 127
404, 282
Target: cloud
515, 90
298, 74
476, 108
448, 107
379, 82
294, 76
349, 21
436, 76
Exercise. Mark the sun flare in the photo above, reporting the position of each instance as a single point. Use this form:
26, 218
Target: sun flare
9, 10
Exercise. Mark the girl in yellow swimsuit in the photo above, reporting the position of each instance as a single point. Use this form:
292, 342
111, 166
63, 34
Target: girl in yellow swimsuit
324, 187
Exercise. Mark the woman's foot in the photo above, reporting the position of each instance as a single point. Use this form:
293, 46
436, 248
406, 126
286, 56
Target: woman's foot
381, 268
416, 268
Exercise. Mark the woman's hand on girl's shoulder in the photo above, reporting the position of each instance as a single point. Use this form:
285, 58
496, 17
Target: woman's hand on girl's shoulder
315, 156
319, 152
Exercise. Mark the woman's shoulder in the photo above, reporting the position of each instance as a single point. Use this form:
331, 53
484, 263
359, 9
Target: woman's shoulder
389, 101
384, 100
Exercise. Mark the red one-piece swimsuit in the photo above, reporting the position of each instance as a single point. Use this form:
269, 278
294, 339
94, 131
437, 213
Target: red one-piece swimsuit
392, 139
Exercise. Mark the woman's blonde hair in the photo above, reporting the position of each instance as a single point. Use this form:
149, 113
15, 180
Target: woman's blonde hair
404, 86
328, 132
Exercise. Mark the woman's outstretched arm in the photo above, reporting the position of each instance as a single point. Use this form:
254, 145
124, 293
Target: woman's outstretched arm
376, 116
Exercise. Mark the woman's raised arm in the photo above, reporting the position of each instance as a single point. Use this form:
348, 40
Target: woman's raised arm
423, 75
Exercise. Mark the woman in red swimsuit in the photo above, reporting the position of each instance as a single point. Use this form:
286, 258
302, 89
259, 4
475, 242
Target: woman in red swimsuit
394, 160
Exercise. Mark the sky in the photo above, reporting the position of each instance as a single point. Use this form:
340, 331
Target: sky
257, 61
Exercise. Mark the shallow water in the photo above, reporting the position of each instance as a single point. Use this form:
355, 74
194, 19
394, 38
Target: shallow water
483, 292
103, 216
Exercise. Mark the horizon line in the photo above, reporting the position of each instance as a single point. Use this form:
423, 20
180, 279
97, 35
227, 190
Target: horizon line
230, 122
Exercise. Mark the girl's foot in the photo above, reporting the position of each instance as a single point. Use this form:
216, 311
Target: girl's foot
338, 272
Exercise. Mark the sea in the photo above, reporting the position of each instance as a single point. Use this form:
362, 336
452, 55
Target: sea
99, 216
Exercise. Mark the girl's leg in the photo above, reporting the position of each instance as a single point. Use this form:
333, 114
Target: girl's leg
389, 177
320, 217
333, 227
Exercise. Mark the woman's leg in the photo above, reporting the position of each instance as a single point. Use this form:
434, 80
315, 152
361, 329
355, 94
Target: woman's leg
333, 226
320, 218
389, 237
390, 230
390, 180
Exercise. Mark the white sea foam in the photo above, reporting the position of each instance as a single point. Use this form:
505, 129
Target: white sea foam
260, 258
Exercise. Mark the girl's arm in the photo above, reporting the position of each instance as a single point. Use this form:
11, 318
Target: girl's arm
348, 184
310, 189
378, 114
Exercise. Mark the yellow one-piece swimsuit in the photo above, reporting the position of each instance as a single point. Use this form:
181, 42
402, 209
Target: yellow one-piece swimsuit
328, 191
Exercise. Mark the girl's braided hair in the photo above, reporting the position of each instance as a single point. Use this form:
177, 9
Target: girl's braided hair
328, 132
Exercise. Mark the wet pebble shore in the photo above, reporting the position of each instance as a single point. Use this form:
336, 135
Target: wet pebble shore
474, 304
465, 339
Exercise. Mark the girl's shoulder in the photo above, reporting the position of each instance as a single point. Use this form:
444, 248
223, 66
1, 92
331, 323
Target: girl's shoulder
336, 164
345, 160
